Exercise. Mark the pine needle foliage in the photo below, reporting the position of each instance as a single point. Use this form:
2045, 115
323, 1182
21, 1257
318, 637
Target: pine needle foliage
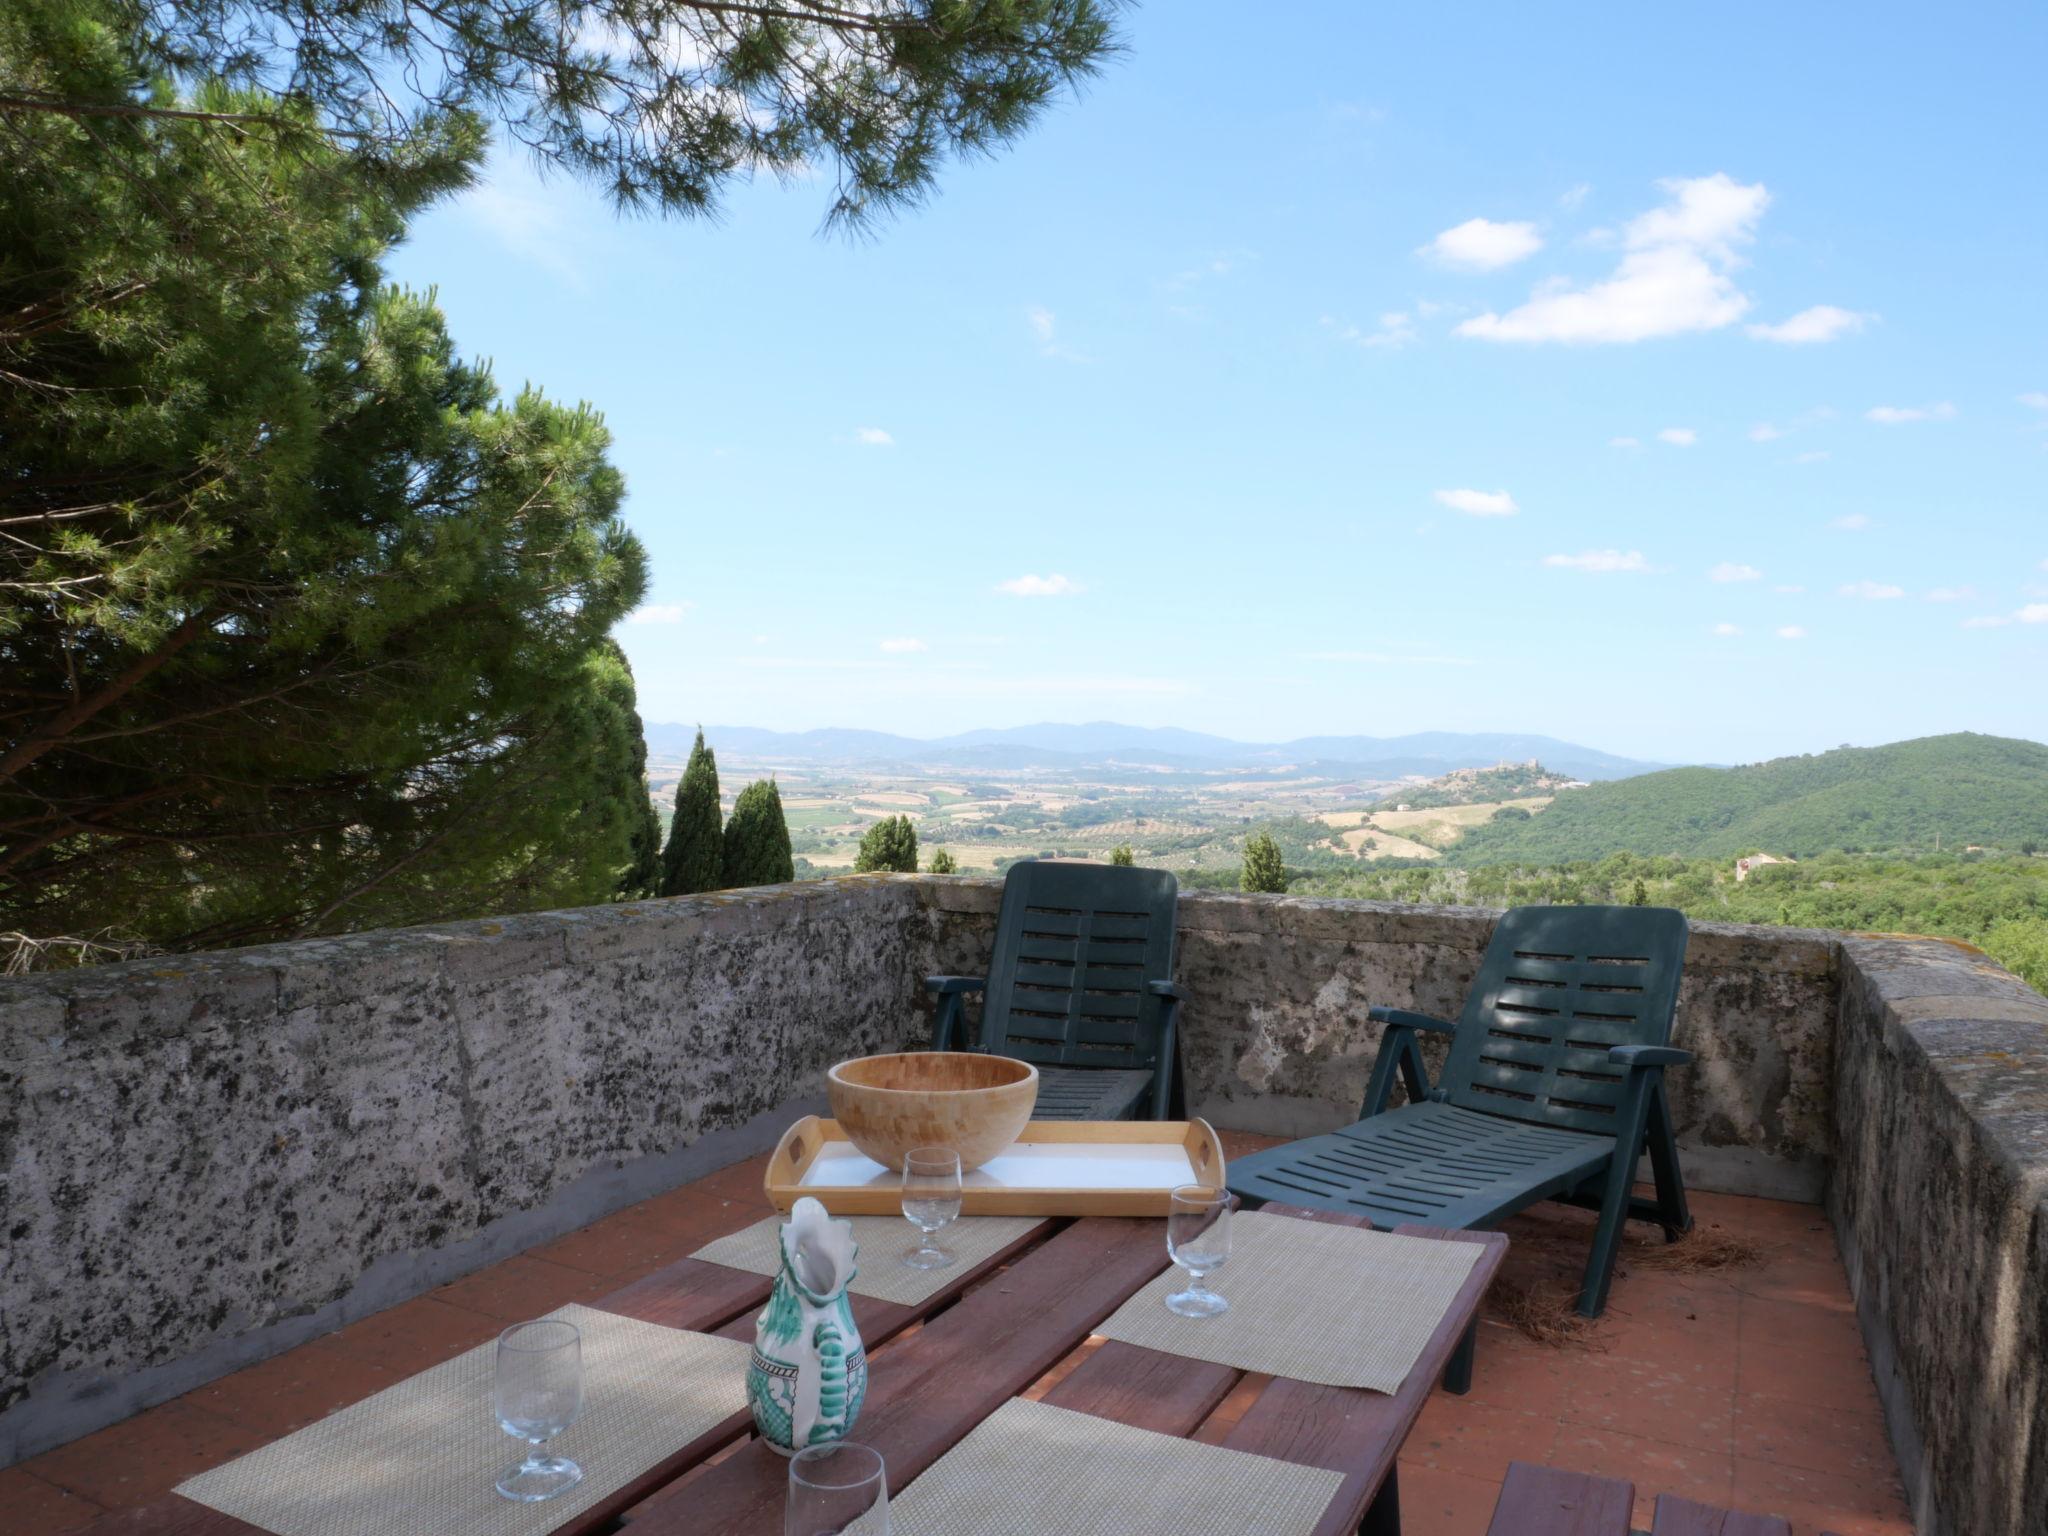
660, 103
303, 627
1120, 855
1263, 870
890, 845
942, 863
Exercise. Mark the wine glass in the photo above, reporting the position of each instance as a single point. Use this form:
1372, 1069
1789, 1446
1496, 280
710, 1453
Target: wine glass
537, 1392
931, 1198
836, 1487
1198, 1240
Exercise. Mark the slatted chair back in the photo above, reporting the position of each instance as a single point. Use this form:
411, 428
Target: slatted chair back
1557, 989
1075, 946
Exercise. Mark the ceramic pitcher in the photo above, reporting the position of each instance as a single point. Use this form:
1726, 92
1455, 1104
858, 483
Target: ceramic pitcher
808, 1373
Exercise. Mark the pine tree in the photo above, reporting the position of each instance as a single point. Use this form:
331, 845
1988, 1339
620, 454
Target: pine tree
942, 863
1263, 870
889, 845
757, 839
305, 626
662, 103
1121, 855
694, 858
643, 875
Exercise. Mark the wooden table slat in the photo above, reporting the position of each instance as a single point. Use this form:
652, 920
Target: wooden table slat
1143, 1388
1356, 1432
1683, 1517
926, 1392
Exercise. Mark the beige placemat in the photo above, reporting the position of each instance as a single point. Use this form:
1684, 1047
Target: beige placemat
1053, 1472
1334, 1305
424, 1456
884, 1240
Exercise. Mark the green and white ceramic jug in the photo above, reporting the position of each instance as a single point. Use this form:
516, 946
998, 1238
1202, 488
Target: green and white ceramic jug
808, 1373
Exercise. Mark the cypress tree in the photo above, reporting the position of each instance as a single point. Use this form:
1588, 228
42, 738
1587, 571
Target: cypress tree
757, 839
694, 858
889, 845
942, 863
1263, 870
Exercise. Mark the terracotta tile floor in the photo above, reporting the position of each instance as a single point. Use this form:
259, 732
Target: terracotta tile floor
1744, 1386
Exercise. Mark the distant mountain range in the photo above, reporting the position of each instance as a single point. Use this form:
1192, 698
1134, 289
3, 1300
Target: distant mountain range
1101, 742
1959, 790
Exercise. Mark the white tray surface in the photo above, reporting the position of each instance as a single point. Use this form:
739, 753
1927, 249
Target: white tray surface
1027, 1165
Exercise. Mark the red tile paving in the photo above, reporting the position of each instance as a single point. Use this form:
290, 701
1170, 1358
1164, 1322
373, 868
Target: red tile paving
1744, 1386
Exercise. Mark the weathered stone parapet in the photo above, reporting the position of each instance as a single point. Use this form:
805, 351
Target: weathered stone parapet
1940, 1200
208, 1159
1277, 1038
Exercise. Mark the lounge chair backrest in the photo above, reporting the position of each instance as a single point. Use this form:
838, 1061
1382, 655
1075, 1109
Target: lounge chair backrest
1075, 946
1557, 988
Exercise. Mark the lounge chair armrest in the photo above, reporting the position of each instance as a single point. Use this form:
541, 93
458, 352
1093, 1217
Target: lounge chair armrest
1633, 1056
1166, 989
1408, 1019
948, 985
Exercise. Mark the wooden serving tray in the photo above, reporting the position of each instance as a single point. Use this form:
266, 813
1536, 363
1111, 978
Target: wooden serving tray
1055, 1168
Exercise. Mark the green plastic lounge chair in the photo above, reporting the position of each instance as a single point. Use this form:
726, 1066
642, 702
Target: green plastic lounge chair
1553, 1086
1081, 987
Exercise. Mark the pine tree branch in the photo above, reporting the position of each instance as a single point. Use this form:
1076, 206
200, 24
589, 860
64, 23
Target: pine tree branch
62, 725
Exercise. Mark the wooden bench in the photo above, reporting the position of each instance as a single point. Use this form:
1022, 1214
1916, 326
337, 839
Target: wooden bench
1548, 1501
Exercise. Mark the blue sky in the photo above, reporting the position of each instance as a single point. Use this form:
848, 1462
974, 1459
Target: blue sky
1673, 382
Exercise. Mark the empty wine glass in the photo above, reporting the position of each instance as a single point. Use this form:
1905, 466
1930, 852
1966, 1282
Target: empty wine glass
537, 1392
834, 1488
931, 1199
1198, 1240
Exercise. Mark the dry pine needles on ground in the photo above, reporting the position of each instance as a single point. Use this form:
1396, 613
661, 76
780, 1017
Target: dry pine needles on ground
1537, 1290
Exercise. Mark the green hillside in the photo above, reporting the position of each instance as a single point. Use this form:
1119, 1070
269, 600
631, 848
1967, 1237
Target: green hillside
1963, 789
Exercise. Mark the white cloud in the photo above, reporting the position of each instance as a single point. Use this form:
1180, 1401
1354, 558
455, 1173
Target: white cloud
902, 646
1600, 561
1624, 442
1850, 522
1729, 570
1951, 594
2033, 613
1039, 586
1764, 432
1790, 590
659, 613
1726, 630
1479, 503
1673, 277
1044, 328
1791, 632
1898, 415
873, 437
1823, 322
1571, 197
529, 222
1678, 437
2035, 399
1396, 329
1815, 456
1481, 245
1986, 621
1870, 591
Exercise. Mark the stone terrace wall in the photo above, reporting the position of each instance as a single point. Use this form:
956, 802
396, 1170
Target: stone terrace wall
1940, 1201
206, 1160
1277, 1039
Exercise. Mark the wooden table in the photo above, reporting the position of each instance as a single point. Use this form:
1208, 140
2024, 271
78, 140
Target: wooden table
1018, 1324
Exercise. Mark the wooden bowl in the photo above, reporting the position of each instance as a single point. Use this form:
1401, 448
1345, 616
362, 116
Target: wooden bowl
974, 1104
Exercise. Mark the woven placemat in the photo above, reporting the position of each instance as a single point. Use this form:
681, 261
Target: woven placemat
1338, 1306
884, 1240
424, 1456
1053, 1472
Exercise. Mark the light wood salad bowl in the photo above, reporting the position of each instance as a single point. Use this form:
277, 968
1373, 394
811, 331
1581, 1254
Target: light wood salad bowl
975, 1104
